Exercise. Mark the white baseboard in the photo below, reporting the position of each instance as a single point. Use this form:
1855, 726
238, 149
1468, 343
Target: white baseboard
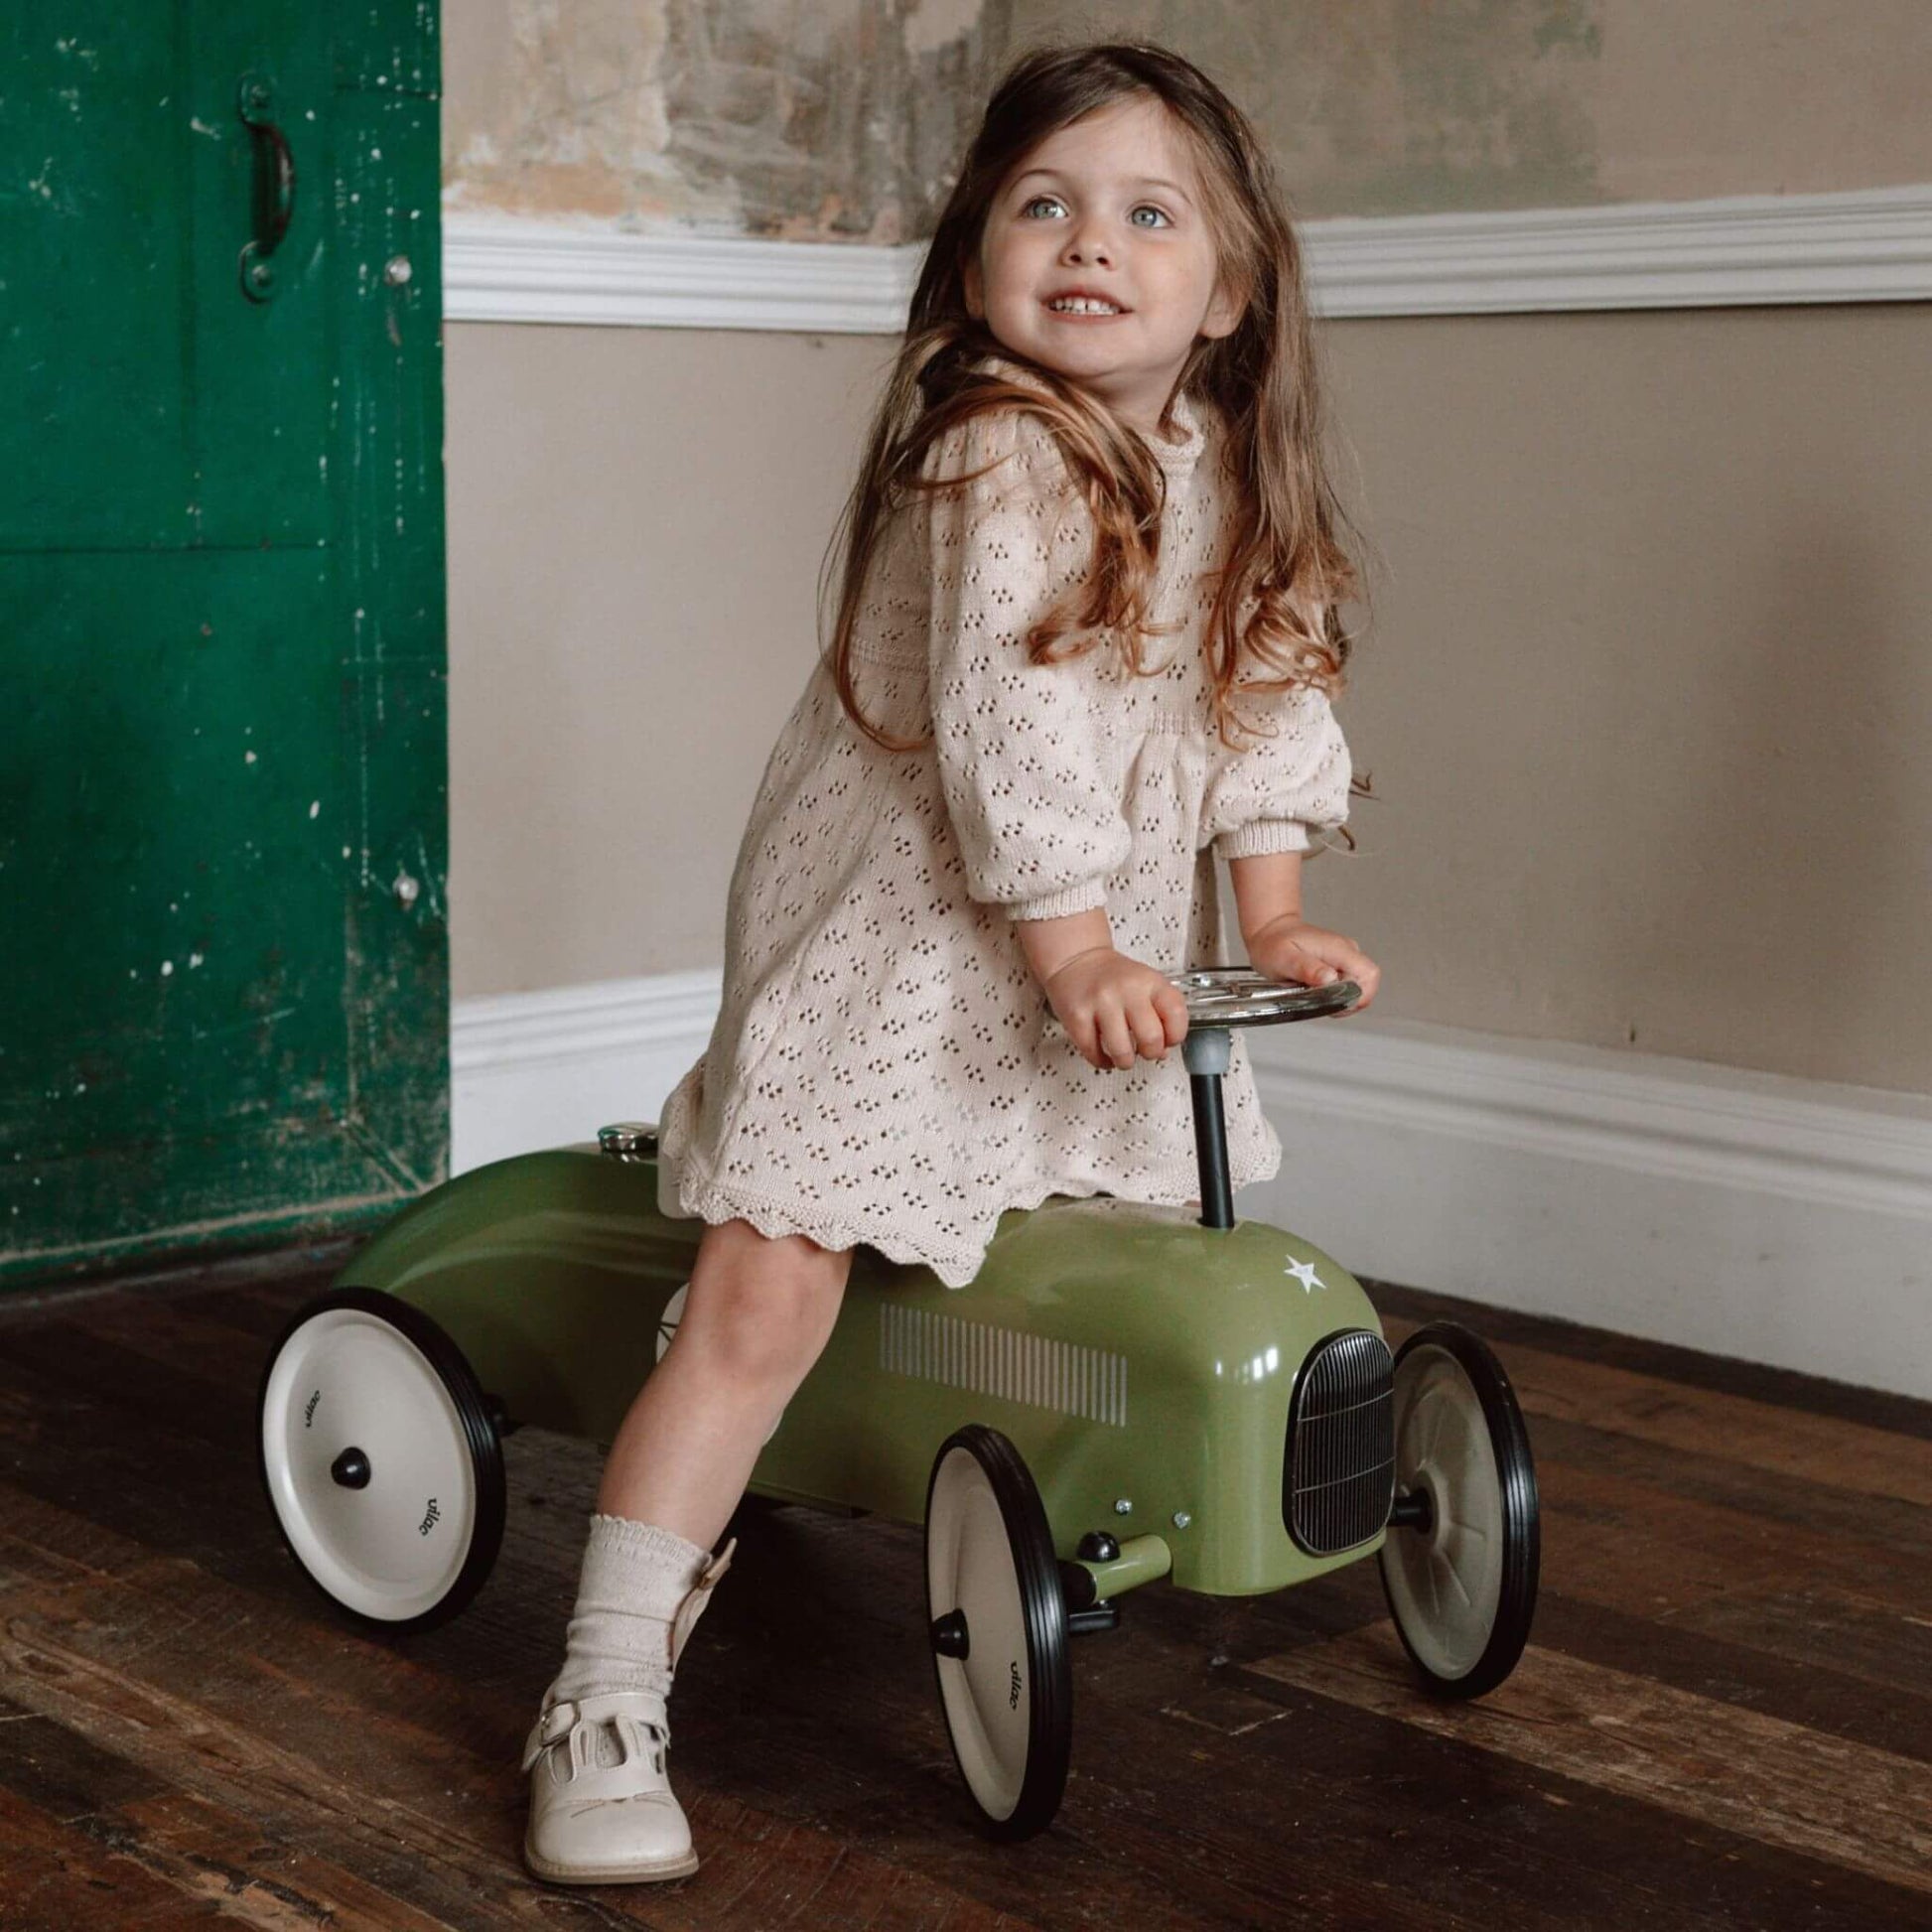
1749, 1214
1869, 245
540, 1070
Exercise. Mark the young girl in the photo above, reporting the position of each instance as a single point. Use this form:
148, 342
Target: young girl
1086, 638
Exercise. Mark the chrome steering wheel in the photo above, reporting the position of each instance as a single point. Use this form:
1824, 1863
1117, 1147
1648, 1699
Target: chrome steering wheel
1239, 996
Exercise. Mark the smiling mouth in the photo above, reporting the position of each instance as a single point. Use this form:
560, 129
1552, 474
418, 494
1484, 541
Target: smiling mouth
1084, 309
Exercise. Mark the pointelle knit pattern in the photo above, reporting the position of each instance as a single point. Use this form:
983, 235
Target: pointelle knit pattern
885, 1068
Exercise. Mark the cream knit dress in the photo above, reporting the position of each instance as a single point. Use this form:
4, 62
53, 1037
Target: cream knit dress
885, 1068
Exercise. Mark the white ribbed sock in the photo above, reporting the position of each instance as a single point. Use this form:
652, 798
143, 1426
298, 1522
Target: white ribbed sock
635, 1576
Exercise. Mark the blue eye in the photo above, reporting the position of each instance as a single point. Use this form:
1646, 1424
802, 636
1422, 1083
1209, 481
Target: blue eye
1163, 220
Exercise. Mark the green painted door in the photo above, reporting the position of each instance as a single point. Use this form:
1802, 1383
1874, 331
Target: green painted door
223, 946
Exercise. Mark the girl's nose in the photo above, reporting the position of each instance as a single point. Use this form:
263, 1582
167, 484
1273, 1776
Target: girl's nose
1087, 245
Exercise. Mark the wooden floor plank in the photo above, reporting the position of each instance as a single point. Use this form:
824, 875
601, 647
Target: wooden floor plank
1817, 1512
1712, 1762
54, 1874
57, 1772
195, 1842
1636, 1545
425, 1867
1766, 1650
1842, 1634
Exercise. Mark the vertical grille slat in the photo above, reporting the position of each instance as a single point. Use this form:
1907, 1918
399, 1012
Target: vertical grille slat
1041, 1370
1338, 1474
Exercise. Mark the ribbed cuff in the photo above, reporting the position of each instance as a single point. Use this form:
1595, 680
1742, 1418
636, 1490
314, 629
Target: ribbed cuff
1263, 836
1082, 897
650, 1542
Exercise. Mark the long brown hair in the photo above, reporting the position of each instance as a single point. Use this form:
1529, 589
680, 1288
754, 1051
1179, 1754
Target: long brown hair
1284, 559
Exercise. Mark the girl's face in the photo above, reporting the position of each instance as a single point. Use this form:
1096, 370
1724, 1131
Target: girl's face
1109, 208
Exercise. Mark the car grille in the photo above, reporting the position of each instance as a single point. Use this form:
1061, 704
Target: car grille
1338, 1477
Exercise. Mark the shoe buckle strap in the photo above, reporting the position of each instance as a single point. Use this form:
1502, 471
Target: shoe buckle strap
693, 1606
578, 1718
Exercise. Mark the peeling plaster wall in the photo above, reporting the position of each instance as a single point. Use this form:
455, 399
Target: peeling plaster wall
842, 119
814, 119
1423, 106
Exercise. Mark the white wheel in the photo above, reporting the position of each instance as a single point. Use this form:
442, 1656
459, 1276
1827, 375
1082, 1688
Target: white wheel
1460, 1566
382, 1465
668, 1328
998, 1631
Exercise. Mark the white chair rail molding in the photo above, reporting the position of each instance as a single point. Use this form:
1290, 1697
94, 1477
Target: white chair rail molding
1867, 245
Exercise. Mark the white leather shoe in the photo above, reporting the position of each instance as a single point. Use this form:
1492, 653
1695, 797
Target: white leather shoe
595, 1822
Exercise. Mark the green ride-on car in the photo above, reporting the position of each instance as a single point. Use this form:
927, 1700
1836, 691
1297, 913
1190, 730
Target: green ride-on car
1125, 1392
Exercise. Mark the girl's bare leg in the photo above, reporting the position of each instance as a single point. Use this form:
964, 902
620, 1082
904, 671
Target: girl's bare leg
758, 1315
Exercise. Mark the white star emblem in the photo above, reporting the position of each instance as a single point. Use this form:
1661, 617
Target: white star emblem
1303, 1272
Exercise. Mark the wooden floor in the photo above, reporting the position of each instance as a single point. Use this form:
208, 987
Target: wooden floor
1724, 1717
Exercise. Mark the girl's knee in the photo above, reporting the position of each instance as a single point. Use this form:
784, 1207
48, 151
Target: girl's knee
769, 1303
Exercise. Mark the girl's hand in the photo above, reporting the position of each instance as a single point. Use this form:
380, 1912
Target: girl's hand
1114, 1007
1289, 949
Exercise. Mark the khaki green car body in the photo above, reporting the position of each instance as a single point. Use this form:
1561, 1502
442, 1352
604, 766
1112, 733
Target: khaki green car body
1141, 1363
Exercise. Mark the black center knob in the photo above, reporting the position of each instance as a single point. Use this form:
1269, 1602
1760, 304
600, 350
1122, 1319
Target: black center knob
949, 1637
350, 1470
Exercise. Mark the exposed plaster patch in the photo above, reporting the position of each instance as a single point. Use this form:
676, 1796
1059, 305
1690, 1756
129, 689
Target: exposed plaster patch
803, 119
1392, 107
1478, 106
580, 125
932, 24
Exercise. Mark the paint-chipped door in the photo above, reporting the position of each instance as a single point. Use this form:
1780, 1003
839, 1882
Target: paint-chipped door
223, 950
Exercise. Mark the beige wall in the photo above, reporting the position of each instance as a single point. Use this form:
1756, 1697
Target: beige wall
842, 119
1647, 704
635, 521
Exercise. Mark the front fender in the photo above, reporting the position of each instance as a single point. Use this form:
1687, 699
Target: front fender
549, 1271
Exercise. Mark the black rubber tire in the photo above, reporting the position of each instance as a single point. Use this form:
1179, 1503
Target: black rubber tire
1049, 1730
1509, 1441
480, 1436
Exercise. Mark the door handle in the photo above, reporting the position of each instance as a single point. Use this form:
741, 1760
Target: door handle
274, 187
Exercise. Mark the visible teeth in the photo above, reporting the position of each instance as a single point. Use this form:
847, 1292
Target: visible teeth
1082, 305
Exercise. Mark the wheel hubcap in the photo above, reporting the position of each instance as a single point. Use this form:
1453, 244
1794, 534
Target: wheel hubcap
368, 1464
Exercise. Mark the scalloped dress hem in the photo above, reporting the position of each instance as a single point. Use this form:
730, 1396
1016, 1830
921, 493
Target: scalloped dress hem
713, 1202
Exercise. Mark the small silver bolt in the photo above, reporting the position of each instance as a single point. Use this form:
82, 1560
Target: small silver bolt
406, 889
1182, 1519
396, 271
1124, 1506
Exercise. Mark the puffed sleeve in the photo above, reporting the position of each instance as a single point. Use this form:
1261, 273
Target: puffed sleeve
1029, 791
1274, 795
